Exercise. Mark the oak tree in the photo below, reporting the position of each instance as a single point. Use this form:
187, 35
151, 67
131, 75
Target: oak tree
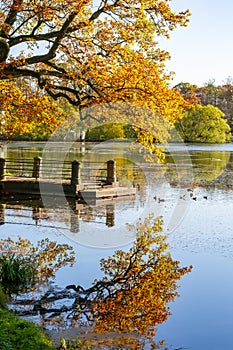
94, 52
132, 296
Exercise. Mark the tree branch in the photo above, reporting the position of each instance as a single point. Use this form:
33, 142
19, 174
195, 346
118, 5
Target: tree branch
4, 49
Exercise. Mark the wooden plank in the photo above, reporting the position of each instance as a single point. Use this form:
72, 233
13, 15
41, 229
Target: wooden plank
107, 192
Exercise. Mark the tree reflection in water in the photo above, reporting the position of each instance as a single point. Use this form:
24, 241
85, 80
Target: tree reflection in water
205, 167
128, 303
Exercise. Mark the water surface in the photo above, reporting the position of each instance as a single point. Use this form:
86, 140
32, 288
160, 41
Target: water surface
193, 193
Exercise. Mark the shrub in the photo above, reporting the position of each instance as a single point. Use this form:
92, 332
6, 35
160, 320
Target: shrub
16, 273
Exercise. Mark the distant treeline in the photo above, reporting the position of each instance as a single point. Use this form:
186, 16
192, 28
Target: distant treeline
220, 96
207, 118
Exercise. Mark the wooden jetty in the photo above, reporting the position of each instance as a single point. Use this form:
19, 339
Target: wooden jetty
37, 177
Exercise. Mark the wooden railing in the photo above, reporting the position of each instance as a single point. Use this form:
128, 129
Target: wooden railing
74, 171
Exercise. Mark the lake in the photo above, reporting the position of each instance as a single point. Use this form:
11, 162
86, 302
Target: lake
193, 193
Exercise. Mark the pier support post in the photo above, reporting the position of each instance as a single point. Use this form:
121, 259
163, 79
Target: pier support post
111, 171
37, 167
2, 214
110, 215
2, 168
74, 221
75, 176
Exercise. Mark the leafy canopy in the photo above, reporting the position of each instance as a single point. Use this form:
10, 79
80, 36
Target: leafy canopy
92, 52
27, 113
132, 296
204, 124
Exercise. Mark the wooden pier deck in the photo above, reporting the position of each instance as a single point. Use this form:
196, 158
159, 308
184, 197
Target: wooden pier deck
74, 186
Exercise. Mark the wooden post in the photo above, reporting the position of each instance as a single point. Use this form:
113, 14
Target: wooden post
111, 171
2, 214
74, 221
110, 215
75, 176
37, 167
2, 168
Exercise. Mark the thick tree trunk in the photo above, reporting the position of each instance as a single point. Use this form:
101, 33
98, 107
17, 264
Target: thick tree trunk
4, 49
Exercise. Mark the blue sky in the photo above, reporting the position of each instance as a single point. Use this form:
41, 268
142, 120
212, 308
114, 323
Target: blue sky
204, 50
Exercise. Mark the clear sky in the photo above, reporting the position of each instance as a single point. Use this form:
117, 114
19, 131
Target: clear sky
202, 51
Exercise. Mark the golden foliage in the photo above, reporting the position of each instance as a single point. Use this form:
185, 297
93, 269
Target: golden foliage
140, 283
93, 53
123, 307
23, 114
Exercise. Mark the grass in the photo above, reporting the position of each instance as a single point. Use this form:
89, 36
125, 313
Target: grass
18, 334
16, 275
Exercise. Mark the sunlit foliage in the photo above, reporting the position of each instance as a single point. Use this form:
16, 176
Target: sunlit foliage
220, 96
20, 334
95, 52
204, 124
32, 115
132, 297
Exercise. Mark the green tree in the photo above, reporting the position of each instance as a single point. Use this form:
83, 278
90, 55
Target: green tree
204, 124
106, 132
220, 96
82, 44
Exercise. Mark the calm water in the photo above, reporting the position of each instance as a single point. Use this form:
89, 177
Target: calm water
193, 193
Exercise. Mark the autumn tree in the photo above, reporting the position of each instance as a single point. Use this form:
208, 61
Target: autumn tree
133, 294
93, 52
204, 124
220, 96
188, 91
